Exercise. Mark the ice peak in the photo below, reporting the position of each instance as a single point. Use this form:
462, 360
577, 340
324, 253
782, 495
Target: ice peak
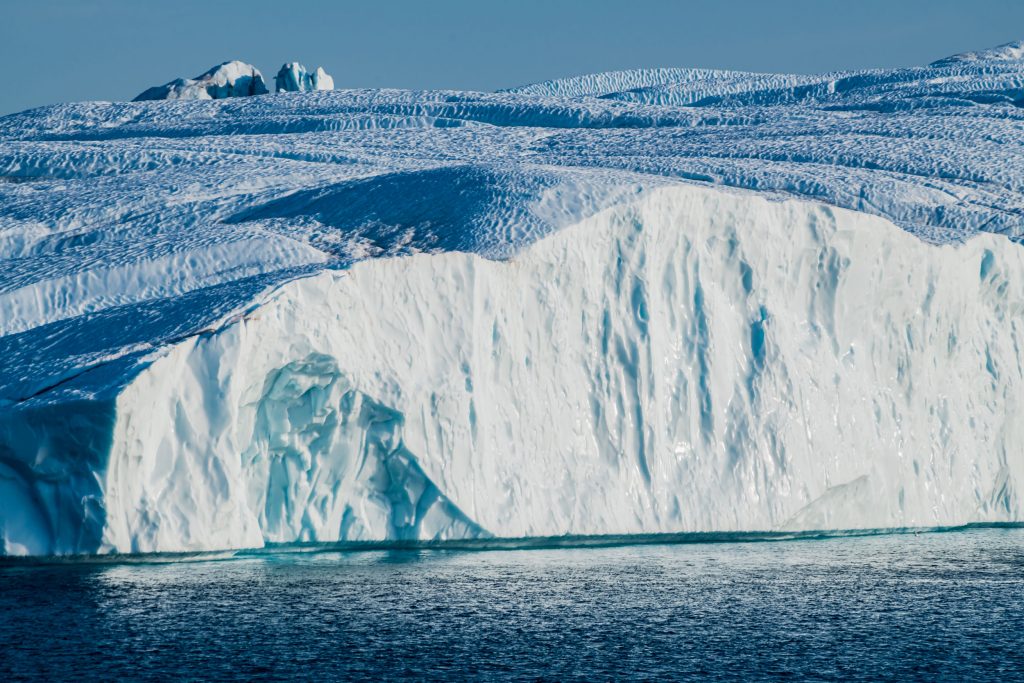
1000, 53
230, 79
293, 77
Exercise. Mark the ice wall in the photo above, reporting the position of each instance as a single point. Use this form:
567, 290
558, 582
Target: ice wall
693, 360
293, 77
703, 365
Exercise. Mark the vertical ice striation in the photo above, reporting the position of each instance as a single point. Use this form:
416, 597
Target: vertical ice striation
694, 360
293, 77
644, 301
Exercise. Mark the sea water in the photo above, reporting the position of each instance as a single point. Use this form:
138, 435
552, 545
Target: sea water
892, 606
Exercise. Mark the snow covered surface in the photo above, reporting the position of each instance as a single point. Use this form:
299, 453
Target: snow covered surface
293, 77
230, 79
1010, 51
595, 305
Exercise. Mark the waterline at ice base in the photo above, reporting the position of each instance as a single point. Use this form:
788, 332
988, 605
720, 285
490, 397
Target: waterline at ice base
661, 301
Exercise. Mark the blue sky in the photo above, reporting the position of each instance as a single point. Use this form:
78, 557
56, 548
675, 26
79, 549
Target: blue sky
63, 50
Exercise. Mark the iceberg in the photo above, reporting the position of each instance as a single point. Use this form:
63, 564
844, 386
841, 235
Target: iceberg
230, 79
655, 301
293, 77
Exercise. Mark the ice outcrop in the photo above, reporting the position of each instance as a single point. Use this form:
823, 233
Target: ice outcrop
658, 300
1006, 52
230, 79
293, 77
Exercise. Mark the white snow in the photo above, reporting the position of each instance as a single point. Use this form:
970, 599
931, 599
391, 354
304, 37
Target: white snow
653, 301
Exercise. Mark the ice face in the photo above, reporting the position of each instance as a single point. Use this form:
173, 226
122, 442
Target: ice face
293, 77
694, 360
230, 79
627, 302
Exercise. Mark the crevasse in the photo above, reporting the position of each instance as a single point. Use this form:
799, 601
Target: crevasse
692, 360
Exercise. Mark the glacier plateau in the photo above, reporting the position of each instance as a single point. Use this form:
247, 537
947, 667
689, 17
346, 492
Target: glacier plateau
636, 302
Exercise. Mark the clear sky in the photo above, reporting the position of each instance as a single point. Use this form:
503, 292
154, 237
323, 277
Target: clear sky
63, 50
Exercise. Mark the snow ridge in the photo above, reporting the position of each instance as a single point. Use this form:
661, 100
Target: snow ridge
1008, 51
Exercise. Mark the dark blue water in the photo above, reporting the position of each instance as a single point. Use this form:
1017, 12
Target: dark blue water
897, 607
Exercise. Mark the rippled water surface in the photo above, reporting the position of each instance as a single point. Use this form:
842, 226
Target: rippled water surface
944, 605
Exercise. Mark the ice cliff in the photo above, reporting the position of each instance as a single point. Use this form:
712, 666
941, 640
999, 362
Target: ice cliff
293, 77
230, 79
635, 302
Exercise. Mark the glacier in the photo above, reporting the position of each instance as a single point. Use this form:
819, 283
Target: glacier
651, 301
